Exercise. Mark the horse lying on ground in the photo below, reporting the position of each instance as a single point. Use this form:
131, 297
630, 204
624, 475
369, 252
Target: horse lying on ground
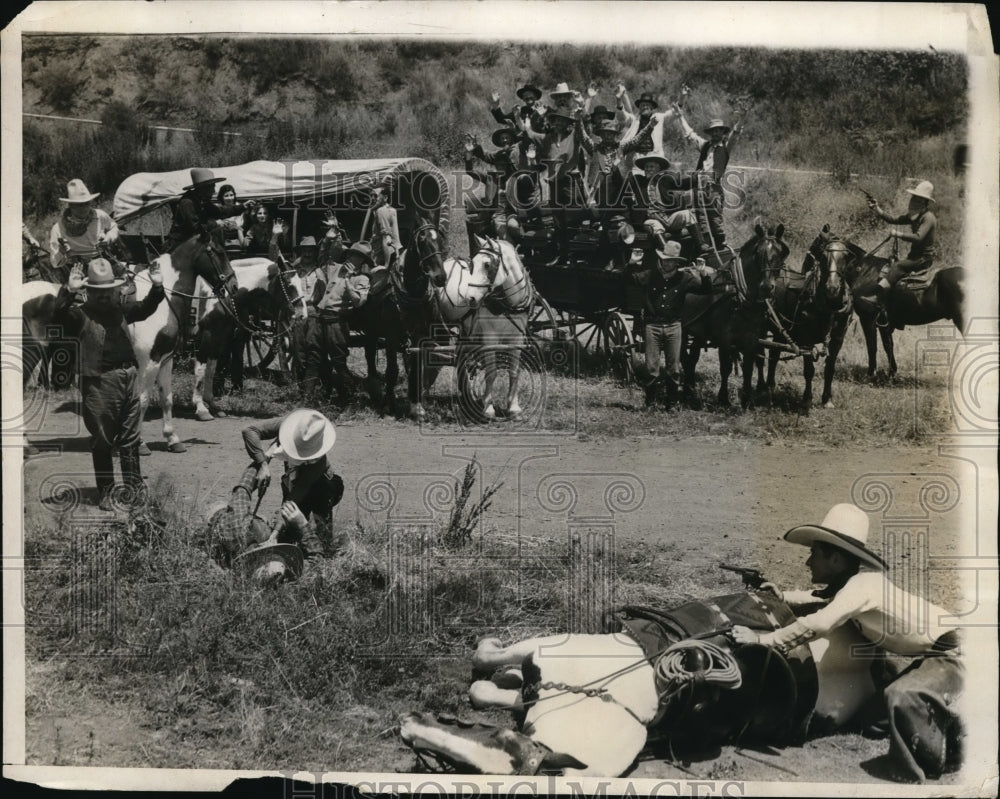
264, 292
587, 704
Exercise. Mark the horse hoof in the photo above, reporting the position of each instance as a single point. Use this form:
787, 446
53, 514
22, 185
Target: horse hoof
177, 447
220, 414
829, 404
143, 449
490, 413
203, 416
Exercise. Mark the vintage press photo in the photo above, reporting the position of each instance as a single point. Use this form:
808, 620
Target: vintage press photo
577, 398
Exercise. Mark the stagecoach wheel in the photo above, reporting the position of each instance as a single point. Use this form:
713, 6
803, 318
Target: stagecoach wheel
272, 349
543, 332
618, 345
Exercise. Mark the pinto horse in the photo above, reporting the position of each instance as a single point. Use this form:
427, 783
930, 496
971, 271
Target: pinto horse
805, 312
941, 296
264, 291
489, 297
587, 703
155, 339
400, 310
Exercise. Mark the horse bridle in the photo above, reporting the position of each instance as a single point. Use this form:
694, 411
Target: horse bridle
432, 253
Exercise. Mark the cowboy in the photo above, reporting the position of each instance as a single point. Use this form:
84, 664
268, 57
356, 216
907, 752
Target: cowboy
666, 285
108, 379
713, 157
332, 246
341, 287
923, 225
197, 214
639, 116
665, 199
80, 229
386, 232
310, 488
923, 723
509, 163
607, 164
529, 94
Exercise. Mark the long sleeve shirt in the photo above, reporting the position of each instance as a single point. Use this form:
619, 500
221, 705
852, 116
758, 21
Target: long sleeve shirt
922, 227
103, 333
652, 139
665, 298
666, 193
520, 115
339, 289
83, 242
605, 159
560, 155
712, 158
883, 613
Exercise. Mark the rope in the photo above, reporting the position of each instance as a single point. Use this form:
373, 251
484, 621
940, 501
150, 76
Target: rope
723, 670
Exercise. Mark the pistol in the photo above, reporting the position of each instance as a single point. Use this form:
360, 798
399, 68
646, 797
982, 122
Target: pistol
868, 194
752, 578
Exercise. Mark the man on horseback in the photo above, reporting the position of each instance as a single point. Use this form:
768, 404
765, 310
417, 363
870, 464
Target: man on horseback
923, 225
923, 724
81, 229
108, 369
310, 489
665, 286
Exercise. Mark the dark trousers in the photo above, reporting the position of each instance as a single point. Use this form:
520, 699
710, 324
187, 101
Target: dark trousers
904, 267
708, 208
326, 357
316, 489
111, 416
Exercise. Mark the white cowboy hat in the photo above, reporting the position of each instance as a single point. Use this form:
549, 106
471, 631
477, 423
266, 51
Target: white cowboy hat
671, 249
306, 434
77, 192
269, 563
845, 526
924, 189
100, 275
561, 90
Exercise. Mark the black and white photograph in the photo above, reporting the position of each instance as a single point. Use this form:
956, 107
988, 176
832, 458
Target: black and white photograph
529, 397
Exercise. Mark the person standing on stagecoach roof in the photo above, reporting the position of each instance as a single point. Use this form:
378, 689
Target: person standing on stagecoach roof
310, 487
108, 369
924, 727
923, 225
342, 287
82, 227
713, 158
637, 117
386, 239
665, 287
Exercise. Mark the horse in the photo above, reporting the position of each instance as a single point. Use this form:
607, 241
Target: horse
805, 311
38, 302
155, 339
489, 297
914, 300
264, 291
400, 311
712, 320
587, 704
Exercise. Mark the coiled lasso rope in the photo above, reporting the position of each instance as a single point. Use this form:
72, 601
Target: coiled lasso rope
722, 669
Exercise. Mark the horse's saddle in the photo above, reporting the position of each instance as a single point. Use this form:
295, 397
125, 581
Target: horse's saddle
917, 281
776, 695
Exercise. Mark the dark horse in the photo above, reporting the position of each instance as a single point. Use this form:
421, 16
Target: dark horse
401, 311
808, 313
943, 297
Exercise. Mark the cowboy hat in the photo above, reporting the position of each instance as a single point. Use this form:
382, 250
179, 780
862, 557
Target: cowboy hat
362, 249
500, 132
641, 162
561, 90
607, 126
529, 87
307, 241
101, 276
845, 526
600, 112
924, 189
306, 434
646, 97
717, 123
269, 563
77, 192
671, 251
202, 177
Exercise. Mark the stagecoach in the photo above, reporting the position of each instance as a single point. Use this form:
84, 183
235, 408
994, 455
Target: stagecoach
298, 192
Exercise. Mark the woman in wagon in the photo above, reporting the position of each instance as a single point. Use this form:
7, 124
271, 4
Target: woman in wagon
310, 488
232, 225
922, 224
80, 230
259, 232
924, 728
197, 214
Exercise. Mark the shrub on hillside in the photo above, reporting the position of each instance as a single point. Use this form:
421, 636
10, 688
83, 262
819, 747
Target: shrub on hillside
59, 85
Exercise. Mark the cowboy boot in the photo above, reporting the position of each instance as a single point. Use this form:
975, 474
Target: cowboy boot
135, 493
651, 392
672, 393
104, 476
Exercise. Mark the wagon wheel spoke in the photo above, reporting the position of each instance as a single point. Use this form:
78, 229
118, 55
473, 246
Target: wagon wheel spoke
618, 345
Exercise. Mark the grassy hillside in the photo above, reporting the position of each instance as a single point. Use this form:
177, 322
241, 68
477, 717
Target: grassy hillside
893, 114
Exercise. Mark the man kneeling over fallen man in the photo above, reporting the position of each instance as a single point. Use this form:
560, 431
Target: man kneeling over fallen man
310, 489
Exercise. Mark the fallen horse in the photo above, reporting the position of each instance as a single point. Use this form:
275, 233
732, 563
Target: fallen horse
588, 704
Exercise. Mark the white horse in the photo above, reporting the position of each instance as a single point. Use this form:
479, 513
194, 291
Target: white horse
263, 291
489, 297
155, 339
587, 700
